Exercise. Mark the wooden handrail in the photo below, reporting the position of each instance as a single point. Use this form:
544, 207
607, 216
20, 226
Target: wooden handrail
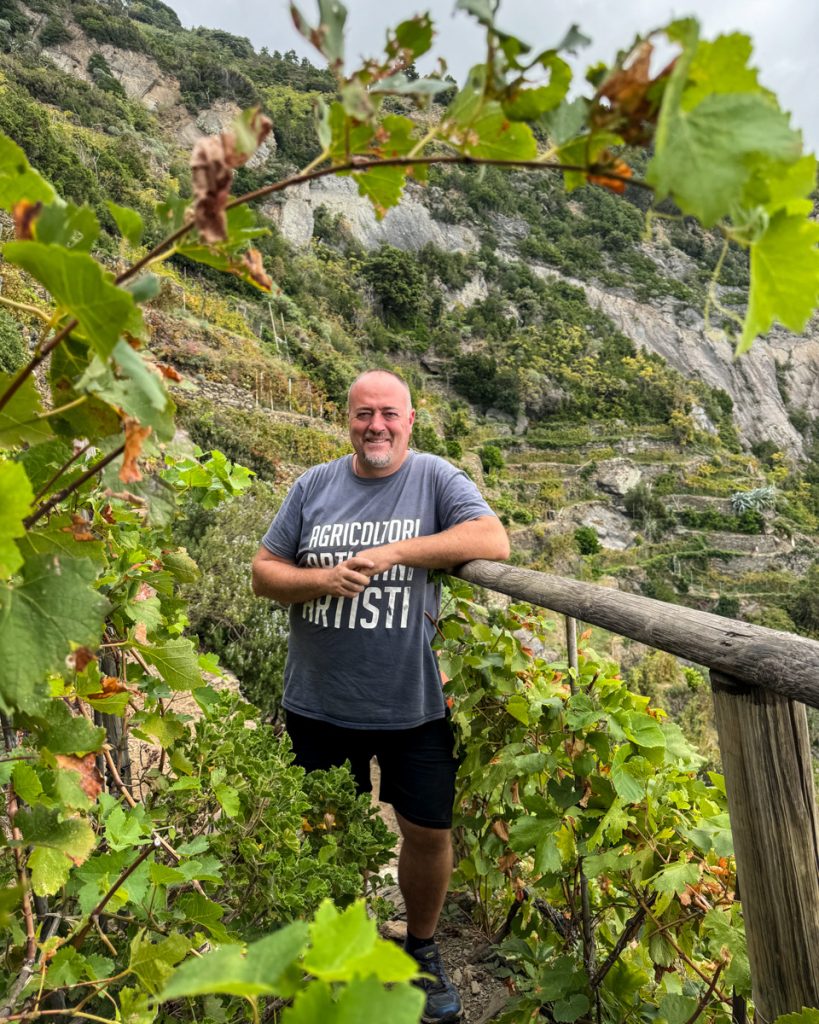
781, 662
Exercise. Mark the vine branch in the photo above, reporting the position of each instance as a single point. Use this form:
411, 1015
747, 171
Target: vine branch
47, 506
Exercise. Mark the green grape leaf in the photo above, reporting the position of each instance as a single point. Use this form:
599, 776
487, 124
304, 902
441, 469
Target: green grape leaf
346, 137
176, 661
67, 967
643, 730
491, 135
412, 38
54, 607
581, 712
95, 878
673, 878
41, 461
530, 103
93, 418
565, 121
313, 1005
18, 179
75, 227
228, 798
790, 189
153, 962
27, 783
630, 778
345, 945
804, 1016
135, 1007
712, 833
328, 35
784, 277
128, 222
400, 85
707, 155
368, 1000
18, 418
58, 845
677, 1009
165, 729
127, 829
527, 831
570, 1008
57, 538
547, 856
382, 186
258, 970
81, 287
612, 825
60, 732
200, 910
145, 288
719, 67
558, 979
181, 566
16, 497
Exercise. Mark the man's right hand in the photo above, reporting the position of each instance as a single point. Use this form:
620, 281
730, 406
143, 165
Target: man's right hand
349, 578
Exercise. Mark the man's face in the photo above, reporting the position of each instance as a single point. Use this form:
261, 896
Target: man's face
381, 419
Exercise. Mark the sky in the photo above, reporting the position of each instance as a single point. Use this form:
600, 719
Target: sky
785, 33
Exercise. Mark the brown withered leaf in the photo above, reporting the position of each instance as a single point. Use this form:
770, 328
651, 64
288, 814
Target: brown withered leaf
135, 435
507, 861
587, 792
86, 768
79, 528
632, 96
80, 659
169, 372
110, 686
25, 213
213, 161
252, 262
500, 829
602, 176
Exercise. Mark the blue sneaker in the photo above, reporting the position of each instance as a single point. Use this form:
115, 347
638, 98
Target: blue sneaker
443, 1002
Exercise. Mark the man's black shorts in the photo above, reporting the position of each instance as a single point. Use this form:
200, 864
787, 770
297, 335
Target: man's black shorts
418, 766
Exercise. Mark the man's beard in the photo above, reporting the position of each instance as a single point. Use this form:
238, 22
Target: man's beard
374, 460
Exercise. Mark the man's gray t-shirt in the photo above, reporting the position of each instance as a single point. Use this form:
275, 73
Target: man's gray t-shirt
367, 662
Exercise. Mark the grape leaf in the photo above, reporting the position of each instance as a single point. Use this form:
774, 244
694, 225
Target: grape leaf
61, 732
52, 608
18, 179
706, 156
527, 831
18, 418
328, 35
176, 661
630, 777
164, 729
677, 1009
58, 845
75, 227
16, 497
81, 287
570, 1008
413, 37
368, 1000
784, 277
529, 103
721, 66
491, 135
57, 537
153, 962
257, 971
129, 222
382, 186
675, 877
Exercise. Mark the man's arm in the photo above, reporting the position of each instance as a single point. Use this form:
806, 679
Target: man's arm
282, 581
484, 537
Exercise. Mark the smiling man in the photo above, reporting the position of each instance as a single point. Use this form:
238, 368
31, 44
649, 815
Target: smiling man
350, 552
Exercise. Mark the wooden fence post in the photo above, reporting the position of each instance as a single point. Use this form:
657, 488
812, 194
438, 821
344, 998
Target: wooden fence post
766, 758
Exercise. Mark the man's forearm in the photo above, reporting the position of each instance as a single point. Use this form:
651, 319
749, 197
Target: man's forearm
477, 538
288, 584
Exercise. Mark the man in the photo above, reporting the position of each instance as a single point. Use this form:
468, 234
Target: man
349, 552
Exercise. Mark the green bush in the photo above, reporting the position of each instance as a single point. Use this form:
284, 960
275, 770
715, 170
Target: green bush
425, 437
12, 345
492, 459
727, 605
587, 541
248, 634
54, 32
399, 284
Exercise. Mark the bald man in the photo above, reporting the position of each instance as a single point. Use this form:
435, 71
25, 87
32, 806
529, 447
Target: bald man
350, 552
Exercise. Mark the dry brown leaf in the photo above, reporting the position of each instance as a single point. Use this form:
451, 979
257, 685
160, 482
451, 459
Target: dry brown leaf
25, 213
213, 160
587, 792
135, 435
86, 768
619, 167
507, 861
252, 262
501, 830
79, 659
170, 372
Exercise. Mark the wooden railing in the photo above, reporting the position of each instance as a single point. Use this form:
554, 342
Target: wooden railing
761, 680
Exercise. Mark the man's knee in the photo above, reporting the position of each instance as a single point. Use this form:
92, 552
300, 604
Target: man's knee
423, 839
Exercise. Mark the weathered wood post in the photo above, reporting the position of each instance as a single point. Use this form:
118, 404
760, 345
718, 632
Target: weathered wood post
766, 758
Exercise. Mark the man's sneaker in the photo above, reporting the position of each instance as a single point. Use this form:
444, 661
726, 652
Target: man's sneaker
443, 1002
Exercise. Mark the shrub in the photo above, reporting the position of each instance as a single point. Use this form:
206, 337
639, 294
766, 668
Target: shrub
492, 459
248, 634
587, 541
727, 605
12, 345
398, 282
424, 435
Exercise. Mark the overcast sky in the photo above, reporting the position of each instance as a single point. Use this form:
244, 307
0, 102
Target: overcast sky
785, 32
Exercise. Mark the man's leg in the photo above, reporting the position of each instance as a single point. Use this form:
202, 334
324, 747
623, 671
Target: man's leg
424, 869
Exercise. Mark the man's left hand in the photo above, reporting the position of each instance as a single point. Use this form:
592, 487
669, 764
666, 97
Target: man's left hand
384, 558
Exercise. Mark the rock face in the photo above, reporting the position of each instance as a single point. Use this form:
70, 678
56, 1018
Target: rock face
751, 381
613, 528
617, 476
408, 226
